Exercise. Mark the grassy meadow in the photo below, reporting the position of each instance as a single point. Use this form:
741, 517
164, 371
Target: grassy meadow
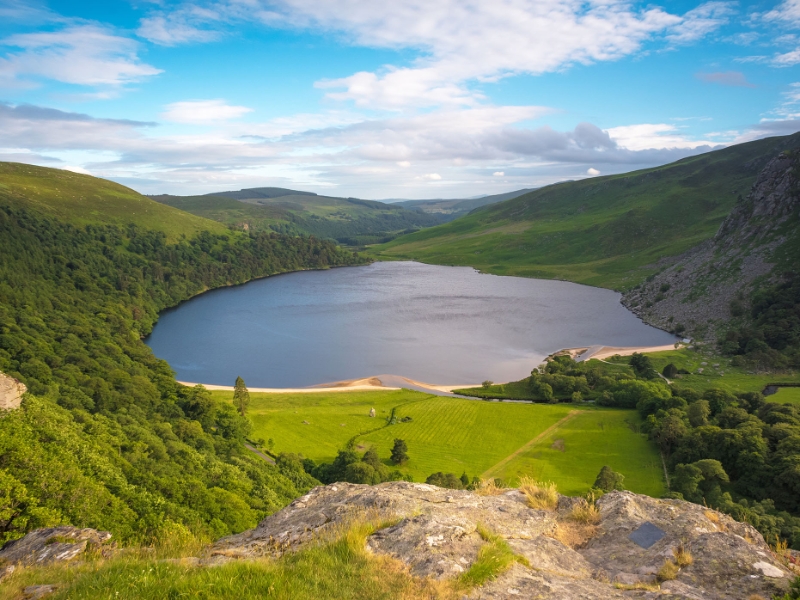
82, 199
790, 395
457, 435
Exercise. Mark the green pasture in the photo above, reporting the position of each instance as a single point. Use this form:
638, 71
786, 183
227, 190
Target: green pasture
574, 453
457, 435
789, 395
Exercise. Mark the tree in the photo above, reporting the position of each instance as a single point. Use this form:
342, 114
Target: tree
642, 366
698, 413
445, 480
399, 452
464, 479
241, 397
487, 384
608, 480
670, 371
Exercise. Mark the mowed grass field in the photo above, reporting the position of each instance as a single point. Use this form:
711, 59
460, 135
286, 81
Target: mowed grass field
573, 453
456, 435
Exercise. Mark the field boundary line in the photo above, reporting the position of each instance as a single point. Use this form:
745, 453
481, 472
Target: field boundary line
571, 415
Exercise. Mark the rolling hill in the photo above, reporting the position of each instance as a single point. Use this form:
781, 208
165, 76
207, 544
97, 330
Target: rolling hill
82, 199
347, 220
611, 231
454, 208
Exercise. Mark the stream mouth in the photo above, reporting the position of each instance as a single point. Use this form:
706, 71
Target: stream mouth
426, 323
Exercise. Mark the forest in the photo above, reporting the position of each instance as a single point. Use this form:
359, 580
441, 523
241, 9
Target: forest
107, 438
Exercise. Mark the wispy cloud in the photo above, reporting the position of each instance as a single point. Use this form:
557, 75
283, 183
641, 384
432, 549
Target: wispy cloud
462, 43
203, 111
730, 78
87, 55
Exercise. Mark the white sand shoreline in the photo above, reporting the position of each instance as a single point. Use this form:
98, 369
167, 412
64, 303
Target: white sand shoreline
397, 382
376, 383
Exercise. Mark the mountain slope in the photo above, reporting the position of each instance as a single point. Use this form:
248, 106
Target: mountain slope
757, 245
608, 231
452, 209
83, 199
348, 220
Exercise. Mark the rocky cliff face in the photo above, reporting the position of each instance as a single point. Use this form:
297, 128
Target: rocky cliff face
11, 392
437, 532
698, 289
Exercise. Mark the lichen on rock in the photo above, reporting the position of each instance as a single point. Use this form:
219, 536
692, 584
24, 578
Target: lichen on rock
435, 531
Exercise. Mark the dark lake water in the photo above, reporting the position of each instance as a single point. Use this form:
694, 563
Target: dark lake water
445, 325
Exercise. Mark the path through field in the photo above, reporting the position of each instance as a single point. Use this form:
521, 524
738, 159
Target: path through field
489, 472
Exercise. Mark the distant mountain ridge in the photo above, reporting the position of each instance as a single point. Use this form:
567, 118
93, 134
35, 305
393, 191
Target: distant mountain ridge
454, 208
611, 231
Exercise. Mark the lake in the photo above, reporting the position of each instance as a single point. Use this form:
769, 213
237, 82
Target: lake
444, 325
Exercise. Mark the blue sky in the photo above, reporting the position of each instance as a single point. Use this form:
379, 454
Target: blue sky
412, 99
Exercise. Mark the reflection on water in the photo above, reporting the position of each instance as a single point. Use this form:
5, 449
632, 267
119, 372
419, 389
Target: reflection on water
448, 325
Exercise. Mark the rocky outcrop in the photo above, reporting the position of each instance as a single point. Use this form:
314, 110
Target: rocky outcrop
50, 545
699, 288
11, 391
436, 532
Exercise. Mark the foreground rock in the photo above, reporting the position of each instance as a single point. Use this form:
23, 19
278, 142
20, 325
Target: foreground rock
11, 391
436, 535
50, 545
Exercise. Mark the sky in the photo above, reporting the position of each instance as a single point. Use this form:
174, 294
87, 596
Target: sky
407, 99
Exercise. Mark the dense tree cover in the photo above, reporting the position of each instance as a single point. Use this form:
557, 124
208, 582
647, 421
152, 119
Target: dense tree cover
771, 337
107, 438
352, 467
562, 378
737, 453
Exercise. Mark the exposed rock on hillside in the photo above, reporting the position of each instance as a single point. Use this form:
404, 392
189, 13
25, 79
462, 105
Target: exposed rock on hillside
50, 545
11, 392
436, 534
700, 286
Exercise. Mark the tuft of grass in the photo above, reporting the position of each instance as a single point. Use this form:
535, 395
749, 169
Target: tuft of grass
494, 557
60, 539
540, 495
668, 571
683, 558
585, 513
490, 487
650, 587
572, 534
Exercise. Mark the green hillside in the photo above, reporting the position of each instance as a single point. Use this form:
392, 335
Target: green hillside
106, 438
347, 220
606, 231
83, 199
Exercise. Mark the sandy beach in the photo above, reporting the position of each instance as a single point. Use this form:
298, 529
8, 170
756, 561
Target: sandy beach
600, 352
378, 382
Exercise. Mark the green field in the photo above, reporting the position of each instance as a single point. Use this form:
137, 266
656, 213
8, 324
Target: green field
606, 231
573, 454
789, 395
456, 435
81, 200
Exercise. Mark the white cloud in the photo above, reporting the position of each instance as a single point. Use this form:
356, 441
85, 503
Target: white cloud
701, 21
499, 174
461, 42
203, 111
80, 54
403, 163
646, 136
432, 176
592, 172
